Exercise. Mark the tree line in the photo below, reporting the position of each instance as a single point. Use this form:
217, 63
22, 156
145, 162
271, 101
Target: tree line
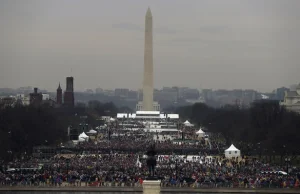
265, 126
23, 127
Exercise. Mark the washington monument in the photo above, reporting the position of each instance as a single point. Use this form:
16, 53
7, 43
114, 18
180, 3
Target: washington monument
148, 64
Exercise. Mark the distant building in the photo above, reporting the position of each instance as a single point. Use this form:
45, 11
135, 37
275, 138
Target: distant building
280, 93
69, 93
237, 93
207, 94
188, 93
140, 95
121, 92
99, 90
46, 96
193, 101
25, 99
132, 95
109, 92
59, 95
292, 100
35, 98
249, 97
7, 102
166, 94
50, 102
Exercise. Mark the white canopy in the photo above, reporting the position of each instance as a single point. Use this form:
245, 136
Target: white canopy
232, 148
200, 133
92, 131
188, 124
83, 137
232, 151
112, 119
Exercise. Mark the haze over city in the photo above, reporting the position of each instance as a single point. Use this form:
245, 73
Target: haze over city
201, 44
161, 96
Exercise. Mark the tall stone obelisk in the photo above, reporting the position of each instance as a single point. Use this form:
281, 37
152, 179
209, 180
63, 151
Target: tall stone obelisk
148, 64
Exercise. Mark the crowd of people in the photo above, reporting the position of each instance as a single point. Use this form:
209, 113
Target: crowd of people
120, 161
130, 169
136, 141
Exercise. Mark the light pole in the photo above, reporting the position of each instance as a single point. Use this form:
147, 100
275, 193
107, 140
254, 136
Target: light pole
97, 165
259, 147
10, 146
123, 121
9, 155
176, 167
284, 152
68, 161
287, 161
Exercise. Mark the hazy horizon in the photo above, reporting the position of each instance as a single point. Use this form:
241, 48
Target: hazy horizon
136, 89
233, 44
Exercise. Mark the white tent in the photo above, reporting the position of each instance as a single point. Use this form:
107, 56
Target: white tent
92, 131
200, 133
83, 137
112, 119
188, 124
232, 151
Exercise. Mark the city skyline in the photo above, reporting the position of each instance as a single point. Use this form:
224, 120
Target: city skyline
199, 44
94, 90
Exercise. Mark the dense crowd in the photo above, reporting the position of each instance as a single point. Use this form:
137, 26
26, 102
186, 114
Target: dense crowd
120, 161
130, 170
136, 141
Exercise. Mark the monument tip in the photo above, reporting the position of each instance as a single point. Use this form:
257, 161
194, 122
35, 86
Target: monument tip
148, 14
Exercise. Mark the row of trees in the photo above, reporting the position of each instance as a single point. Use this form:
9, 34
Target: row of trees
266, 126
23, 127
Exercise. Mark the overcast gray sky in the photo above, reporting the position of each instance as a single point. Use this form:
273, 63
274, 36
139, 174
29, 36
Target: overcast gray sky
197, 43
